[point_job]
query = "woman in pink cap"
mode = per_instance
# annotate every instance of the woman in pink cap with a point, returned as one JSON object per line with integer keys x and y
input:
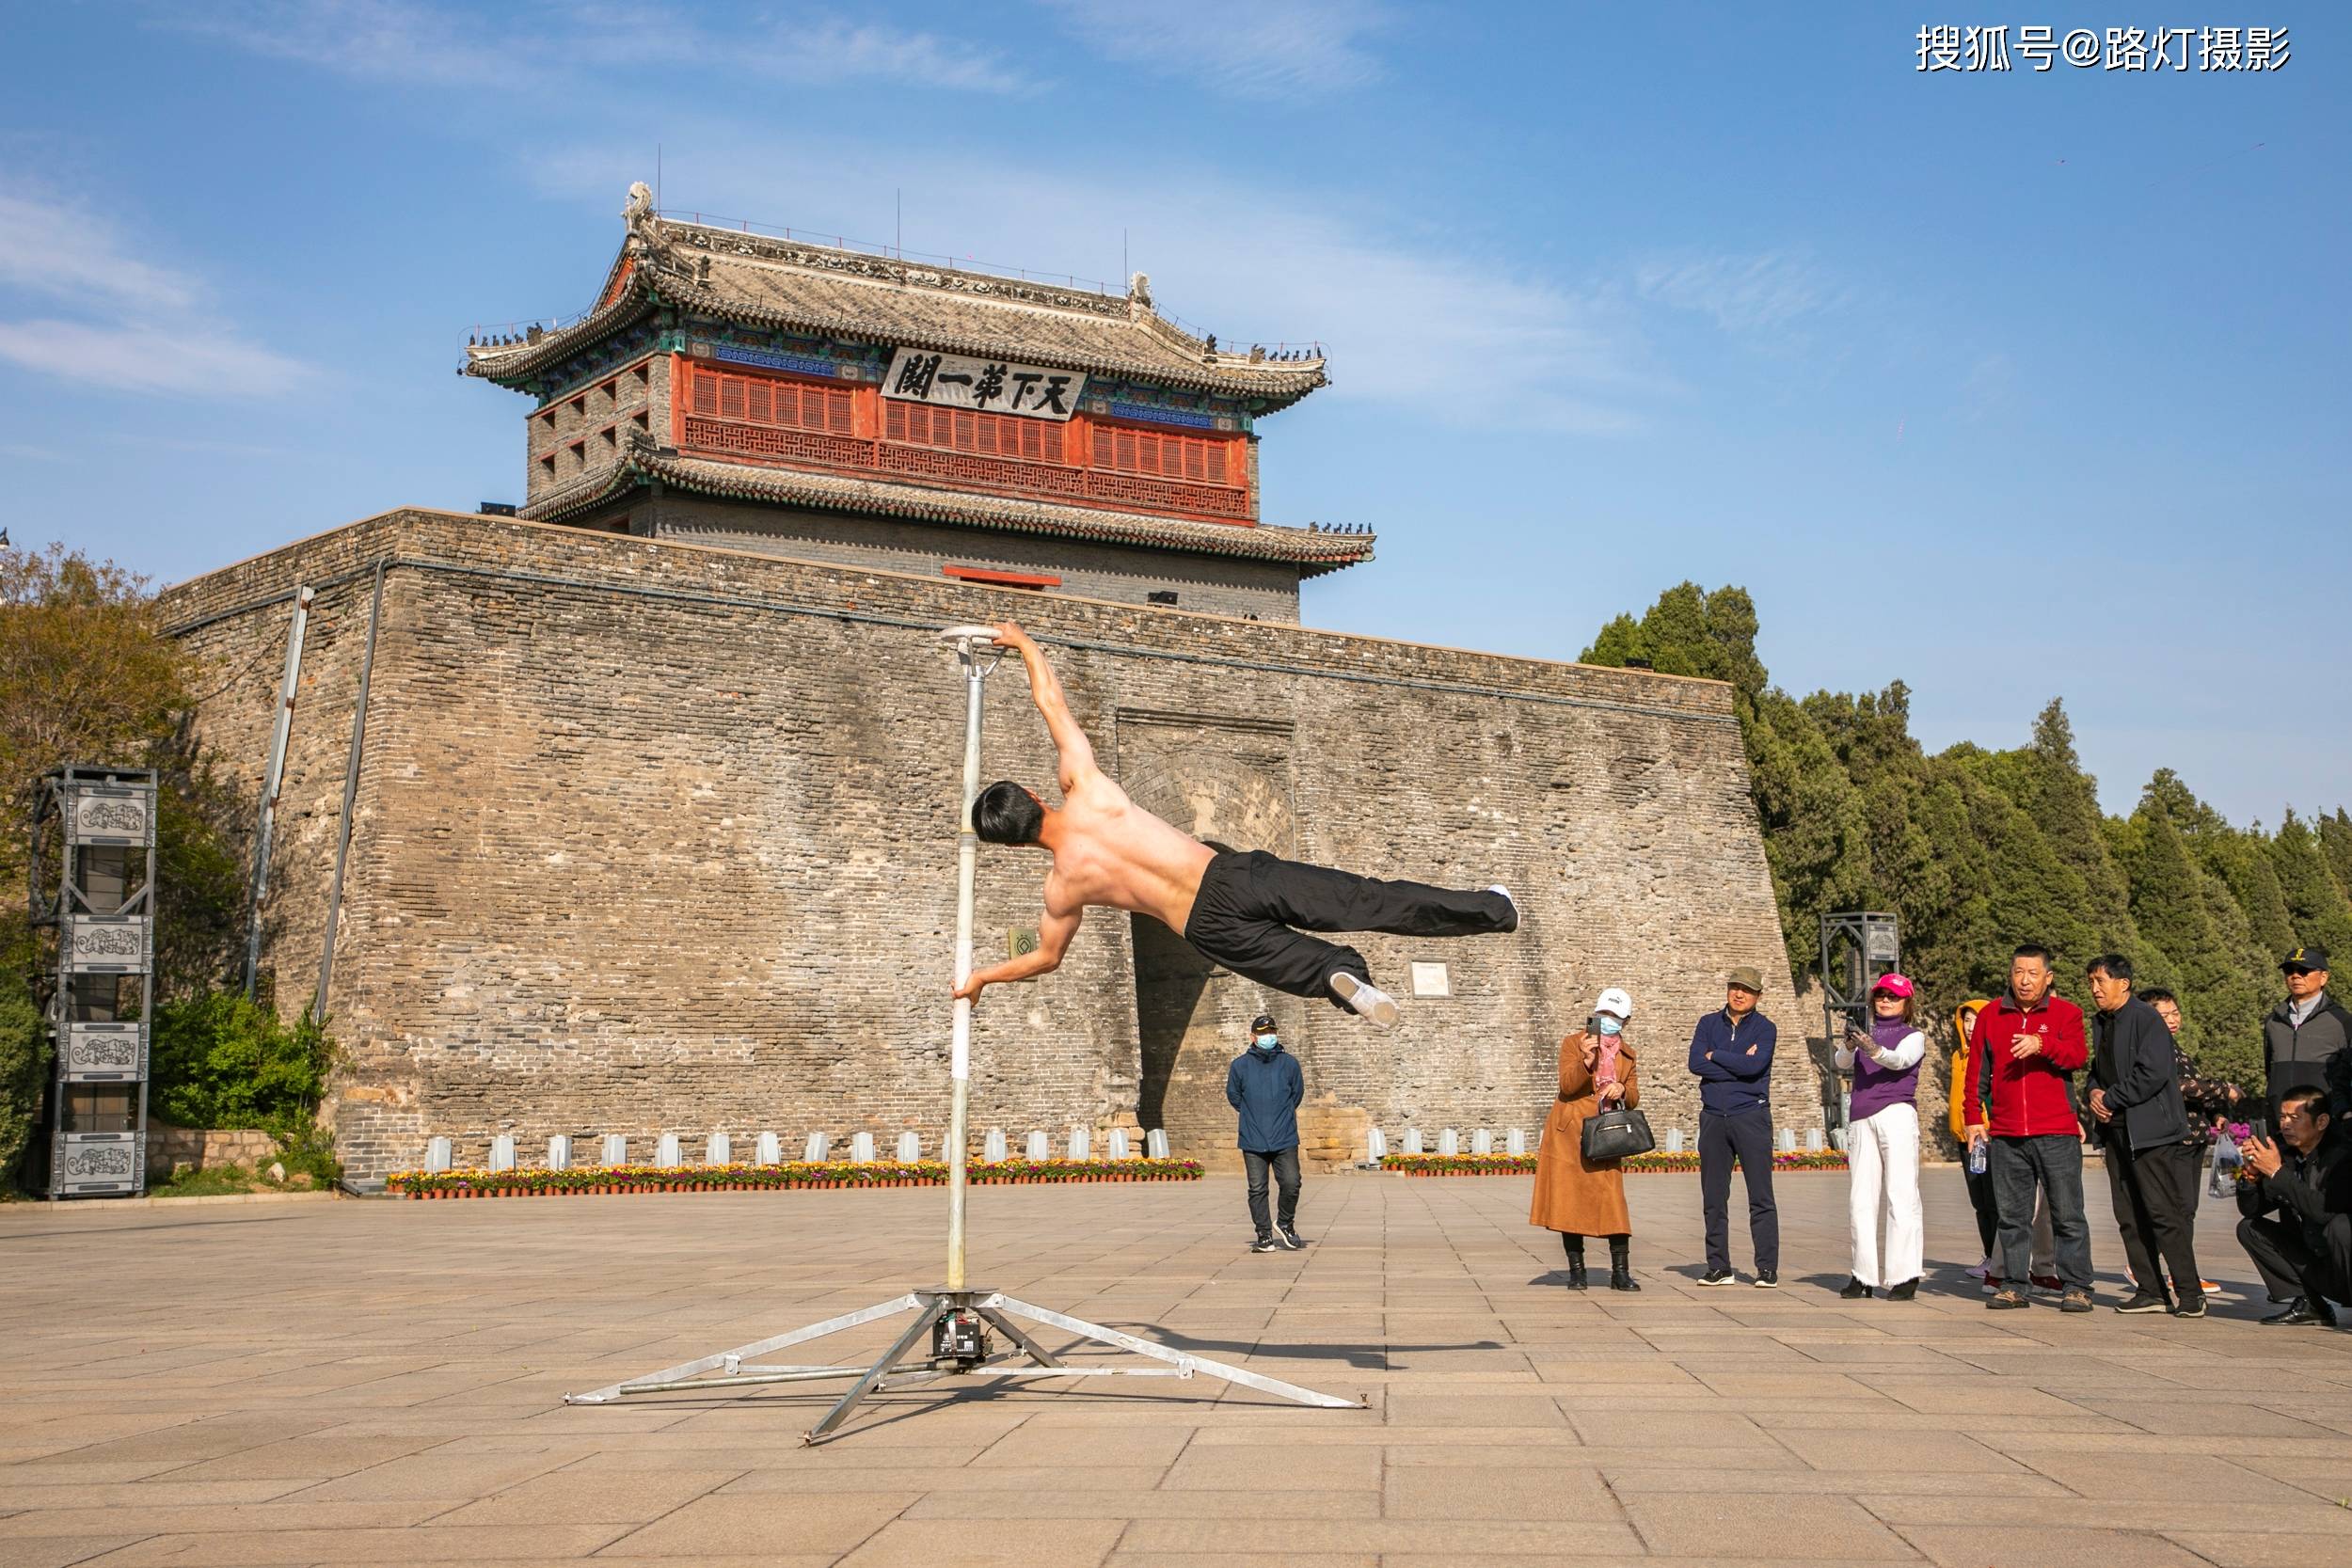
{"x": 1883, "y": 1143}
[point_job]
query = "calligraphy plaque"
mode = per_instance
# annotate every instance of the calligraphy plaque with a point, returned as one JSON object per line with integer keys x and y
{"x": 112, "y": 814}
{"x": 107, "y": 944}
{"x": 104, "y": 1053}
{"x": 990, "y": 386}
{"x": 85, "y": 1164}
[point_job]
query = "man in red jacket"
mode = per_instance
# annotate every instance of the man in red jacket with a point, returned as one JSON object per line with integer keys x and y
{"x": 2034, "y": 1042}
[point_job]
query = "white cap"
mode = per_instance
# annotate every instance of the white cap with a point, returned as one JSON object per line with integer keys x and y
{"x": 1615, "y": 1000}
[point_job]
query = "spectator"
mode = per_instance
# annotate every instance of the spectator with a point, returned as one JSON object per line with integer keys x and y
{"x": 2043, "y": 1264}
{"x": 2305, "y": 1178}
{"x": 2033, "y": 1043}
{"x": 1264, "y": 1086}
{"x": 1576, "y": 1197}
{"x": 2144, "y": 1142}
{"x": 2307, "y": 1039}
{"x": 2207, "y": 1100}
{"x": 1731, "y": 1054}
{"x": 1883, "y": 1143}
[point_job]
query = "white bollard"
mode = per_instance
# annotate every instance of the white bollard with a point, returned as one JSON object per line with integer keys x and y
{"x": 1813, "y": 1140}
{"x": 1082, "y": 1143}
{"x": 1787, "y": 1143}
{"x": 1515, "y": 1144}
{"x": 816, "y": 1147}
{"x": 1449, "y": 1143}
{"x": 615, "y": 1150}
{"x": 992, "y": 1149}
{"x": 436, "y": 1154}
{"x": 1838, "y": 1139}
{"x": 665, "y": 1153}
{"x": 717, "y": 1150}
{"x": 909, "y": 1148}
{"x": 1376, "y": 1145}
{"x": 1155, "y": 1143}
{"x": 862, "y": 1148}
{"x": 1120, "y": 1148}
{"x": 1483, "y": 1141}
{"x": 1412, "y": 1140}
{"x": 1039, "y": 1150}
{"x": 559, "y": 1153}
{"x": 1673, "y": 1140}
{"x": 502, "y": 1151}
{"x": 770, "y": 1149}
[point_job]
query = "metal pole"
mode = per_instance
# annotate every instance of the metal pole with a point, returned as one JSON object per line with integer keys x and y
{"x": 960, "y": 1049}
{"x": 272, "y": 776}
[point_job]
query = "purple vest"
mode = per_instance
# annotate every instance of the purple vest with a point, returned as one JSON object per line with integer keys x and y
{"x": 1876, "y": 1087}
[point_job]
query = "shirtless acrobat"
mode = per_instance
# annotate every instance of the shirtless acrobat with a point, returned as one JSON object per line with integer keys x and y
{"x": 1245, "y": 911}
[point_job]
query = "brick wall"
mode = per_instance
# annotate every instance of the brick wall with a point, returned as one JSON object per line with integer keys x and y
{"x": 1218, "y": 585}
{"x": 655, "y": 837}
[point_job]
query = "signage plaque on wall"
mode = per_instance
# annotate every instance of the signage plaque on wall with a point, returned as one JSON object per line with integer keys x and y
{"x": 990, "y": 386}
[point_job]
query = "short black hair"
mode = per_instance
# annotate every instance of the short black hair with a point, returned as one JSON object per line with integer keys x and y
{"x": 2155, "y": 994}
{"x": 2034, "y": 950}
{"x": 1004, "y": 812}
{"x": 2311, "y": 1094}
{"x": 2117, "y": 966}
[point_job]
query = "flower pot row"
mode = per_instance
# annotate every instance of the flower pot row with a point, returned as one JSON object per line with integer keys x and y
{"x": 1521, "y": 1165}
{"x": 602, "y": 1180}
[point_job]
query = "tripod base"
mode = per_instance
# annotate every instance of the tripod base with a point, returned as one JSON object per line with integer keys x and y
{"x": 957, "y": 1324}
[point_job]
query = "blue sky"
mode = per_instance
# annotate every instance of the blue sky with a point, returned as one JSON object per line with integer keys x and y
{"x": 2006, "y": 386}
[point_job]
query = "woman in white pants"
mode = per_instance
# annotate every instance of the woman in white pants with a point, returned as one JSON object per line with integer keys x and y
{"x": 1883, "y": 1143}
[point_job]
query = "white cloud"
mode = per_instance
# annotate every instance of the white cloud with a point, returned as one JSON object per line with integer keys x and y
{"x": 133, "y": 325}
{"x": 136, "y": 356}
{"x": 1450, "y": 335}
{"x": 1749, "y": 295}
{"x": 546, "y": 46}
{"x": 1247, "y": 48}
{"x": 55, "y": 249}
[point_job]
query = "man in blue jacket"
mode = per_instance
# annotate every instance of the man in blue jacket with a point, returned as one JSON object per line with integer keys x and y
{"x": 1265, "y": 1087}
{"x": 1731, "y": 1056}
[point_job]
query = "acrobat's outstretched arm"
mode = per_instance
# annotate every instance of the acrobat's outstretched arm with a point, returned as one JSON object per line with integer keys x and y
{"x": 1054, "y": 932}
{"x": 1078, "y": 754}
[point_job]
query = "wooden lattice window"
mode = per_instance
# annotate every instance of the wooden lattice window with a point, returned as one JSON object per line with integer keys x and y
{"x": 973, "y": 430}
{"x": 766, "y": 400}
{"x": 1194, "y": 459}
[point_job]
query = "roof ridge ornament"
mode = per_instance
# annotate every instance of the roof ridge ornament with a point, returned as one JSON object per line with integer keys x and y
{"x": 1139, "y": 297}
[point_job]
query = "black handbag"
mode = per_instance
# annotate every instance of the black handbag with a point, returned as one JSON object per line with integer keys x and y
{"x": 1614, "y": 1135}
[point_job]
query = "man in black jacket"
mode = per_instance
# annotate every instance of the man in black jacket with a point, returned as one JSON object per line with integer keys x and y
{"x": 2305, "y": 1255}
{"x": 2307, "y": 1039}
{"x": 2136, "y": 1106}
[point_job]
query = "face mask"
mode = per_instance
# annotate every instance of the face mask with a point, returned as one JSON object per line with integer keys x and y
{"x": 1609, "y": 1025}
{"x": 1268, "y": 1042}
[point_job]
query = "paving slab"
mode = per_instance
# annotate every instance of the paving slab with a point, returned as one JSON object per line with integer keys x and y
{"x": 401, "y": 1404}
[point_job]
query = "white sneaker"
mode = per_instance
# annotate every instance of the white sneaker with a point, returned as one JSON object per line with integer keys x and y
{"x": 1376, "y": 1006}
{"x": 1498, "y": 887}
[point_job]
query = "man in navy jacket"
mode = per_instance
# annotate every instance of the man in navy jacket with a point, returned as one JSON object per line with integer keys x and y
{"x": 1265, "y": 1087}
{"x": 1731, "y": 1056}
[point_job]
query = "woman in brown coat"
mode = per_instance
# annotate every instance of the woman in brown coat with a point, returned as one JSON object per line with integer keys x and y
{"x": 1573, "y": 1195}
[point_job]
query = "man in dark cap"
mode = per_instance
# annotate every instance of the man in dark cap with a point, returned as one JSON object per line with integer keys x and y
{"x": 2305, "y": 1038}
{"x": 1264, "y": 1086}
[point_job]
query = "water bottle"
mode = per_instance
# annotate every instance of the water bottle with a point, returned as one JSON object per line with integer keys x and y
{"x": 1979, "y": 1157}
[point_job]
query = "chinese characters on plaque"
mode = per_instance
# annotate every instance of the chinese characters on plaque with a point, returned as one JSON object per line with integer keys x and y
{"x": 994, "y": 386}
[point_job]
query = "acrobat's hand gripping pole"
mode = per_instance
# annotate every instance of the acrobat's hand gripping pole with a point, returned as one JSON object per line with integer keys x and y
{"x": 976, "y": 650}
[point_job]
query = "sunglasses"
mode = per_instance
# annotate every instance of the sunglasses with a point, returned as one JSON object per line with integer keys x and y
{"x": 2295, "y": 970}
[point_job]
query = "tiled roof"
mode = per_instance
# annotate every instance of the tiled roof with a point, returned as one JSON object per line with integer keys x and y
{"x": 789, "y": 284}
{"x": 1313, "y": 550}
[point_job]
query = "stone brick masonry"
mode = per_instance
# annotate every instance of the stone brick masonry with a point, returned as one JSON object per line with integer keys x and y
{"x": 658, "y": 837}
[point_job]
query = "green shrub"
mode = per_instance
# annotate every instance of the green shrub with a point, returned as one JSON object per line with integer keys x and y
{"x": 222, "y": 1060}
{"x": 24, "y": 1076}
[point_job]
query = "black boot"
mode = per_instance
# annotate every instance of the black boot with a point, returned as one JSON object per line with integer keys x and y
{"x": 1620, "y": 1266}
{"x": 1574, "y": 1245}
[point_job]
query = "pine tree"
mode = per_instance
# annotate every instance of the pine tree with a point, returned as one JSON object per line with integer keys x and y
{"x": 2173, "y": 900}
{"x": 2321, "y": 913}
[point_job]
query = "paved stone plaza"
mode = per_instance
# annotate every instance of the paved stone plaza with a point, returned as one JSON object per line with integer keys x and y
{"x": 338, "y": 1382}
